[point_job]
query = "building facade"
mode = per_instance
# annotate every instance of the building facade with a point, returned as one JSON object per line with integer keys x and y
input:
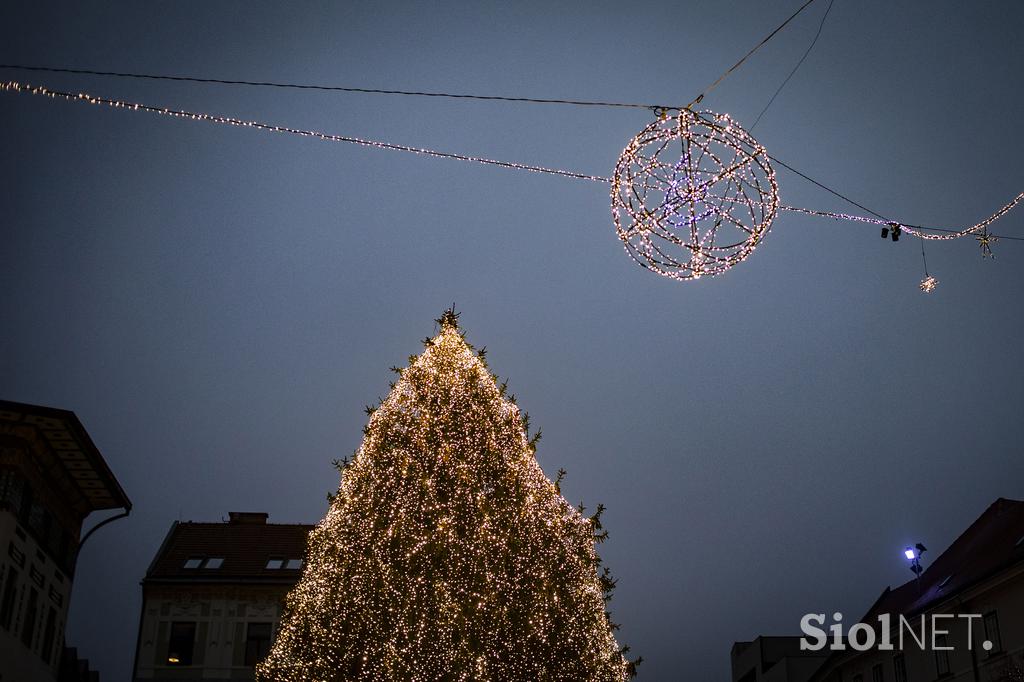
{"x": 971, "y": 594}
{"x": 961, "y": 620}
{"x": 774, "y": 659}
{"x": 212, "y": 597}
{"x": 51, "y": 478}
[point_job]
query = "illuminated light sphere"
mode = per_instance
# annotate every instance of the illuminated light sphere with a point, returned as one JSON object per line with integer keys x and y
{"x": 693, "y": 195}
{"x": 928, "y": 284}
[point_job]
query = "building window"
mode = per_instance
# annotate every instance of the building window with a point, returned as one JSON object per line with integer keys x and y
{"x": 193, "y": 562}
{"x": 39, "y": 522}
{"x": 294, "y": 564}
{"x": 214, "y": 562}
{"x": 28, "y": 629}
{"x": 7, "y": 603}
{"x": 15, "y": 553}
{"x": 899, "y": 668}
{"x": 257, "y": 643}
{"x": 24, "y": 503}
{"x": 182, "y": 644}
{"x": 48, "y": 634}
{"x": 275, "y": 563}
{"x": 992, "y": 633}
{"x": 941, "y": 656}
{"x": 877, "y": 673}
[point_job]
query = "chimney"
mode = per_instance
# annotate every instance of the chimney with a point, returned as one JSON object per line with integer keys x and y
{"x": 250, "y": 518}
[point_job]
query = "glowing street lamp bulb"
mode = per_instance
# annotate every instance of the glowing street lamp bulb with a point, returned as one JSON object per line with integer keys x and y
{"x": 910, "y": 553}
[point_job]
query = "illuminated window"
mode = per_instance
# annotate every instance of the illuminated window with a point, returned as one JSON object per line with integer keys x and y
{"x": 181, "y": 644}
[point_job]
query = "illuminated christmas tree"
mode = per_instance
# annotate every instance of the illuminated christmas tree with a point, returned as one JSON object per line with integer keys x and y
{"x": 446, "y": 553}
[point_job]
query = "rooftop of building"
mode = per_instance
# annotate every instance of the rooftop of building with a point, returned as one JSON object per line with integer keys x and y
{"x": 993, "y": 543}
{"x": 64, "y": 449}
{"x": 244, "y": 548}
{"x": 989, "y": 547}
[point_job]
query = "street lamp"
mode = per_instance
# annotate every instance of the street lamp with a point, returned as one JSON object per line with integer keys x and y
{"x": 913, "y": 555}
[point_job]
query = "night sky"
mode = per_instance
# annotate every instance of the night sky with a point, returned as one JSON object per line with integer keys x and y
{"x": 218, "y": 304}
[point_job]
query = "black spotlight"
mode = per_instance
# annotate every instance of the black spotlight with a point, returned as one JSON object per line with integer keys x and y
{"x": 885, "y": 232}
{"x": 896, "y": 233}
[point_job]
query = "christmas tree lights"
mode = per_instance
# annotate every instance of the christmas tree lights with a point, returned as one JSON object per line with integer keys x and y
{"x": 446, "y": 553}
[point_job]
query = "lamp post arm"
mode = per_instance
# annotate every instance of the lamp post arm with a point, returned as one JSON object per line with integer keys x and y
{"x": 102, "y": 523}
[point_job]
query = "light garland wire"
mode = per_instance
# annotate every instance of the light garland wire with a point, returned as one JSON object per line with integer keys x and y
{"x": 14, "y": 86}
{"x": 795, "y": 68}
{"x": 698, "y": 98}
{"x": 334, "y": 88}
{"x": 917, "y": 230}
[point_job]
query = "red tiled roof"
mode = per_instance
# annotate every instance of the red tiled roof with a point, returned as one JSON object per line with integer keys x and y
{"x": 245, "y": 547}
{"x": 991, "y": 544}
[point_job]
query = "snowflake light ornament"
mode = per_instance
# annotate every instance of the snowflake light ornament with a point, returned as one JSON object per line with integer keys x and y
{"x": 985, "y": 241}
{"x": 693, "y": 194}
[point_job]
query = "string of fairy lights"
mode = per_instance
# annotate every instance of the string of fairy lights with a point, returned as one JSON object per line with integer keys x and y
{"x": 661, "y": 198}
{"x": 13, "y": 86}
{"x": 986, "y": 239}
{"x": 685, "y": 218}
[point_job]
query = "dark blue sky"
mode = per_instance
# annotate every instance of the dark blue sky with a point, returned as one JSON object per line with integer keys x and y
{"x": 217, "y": 305}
